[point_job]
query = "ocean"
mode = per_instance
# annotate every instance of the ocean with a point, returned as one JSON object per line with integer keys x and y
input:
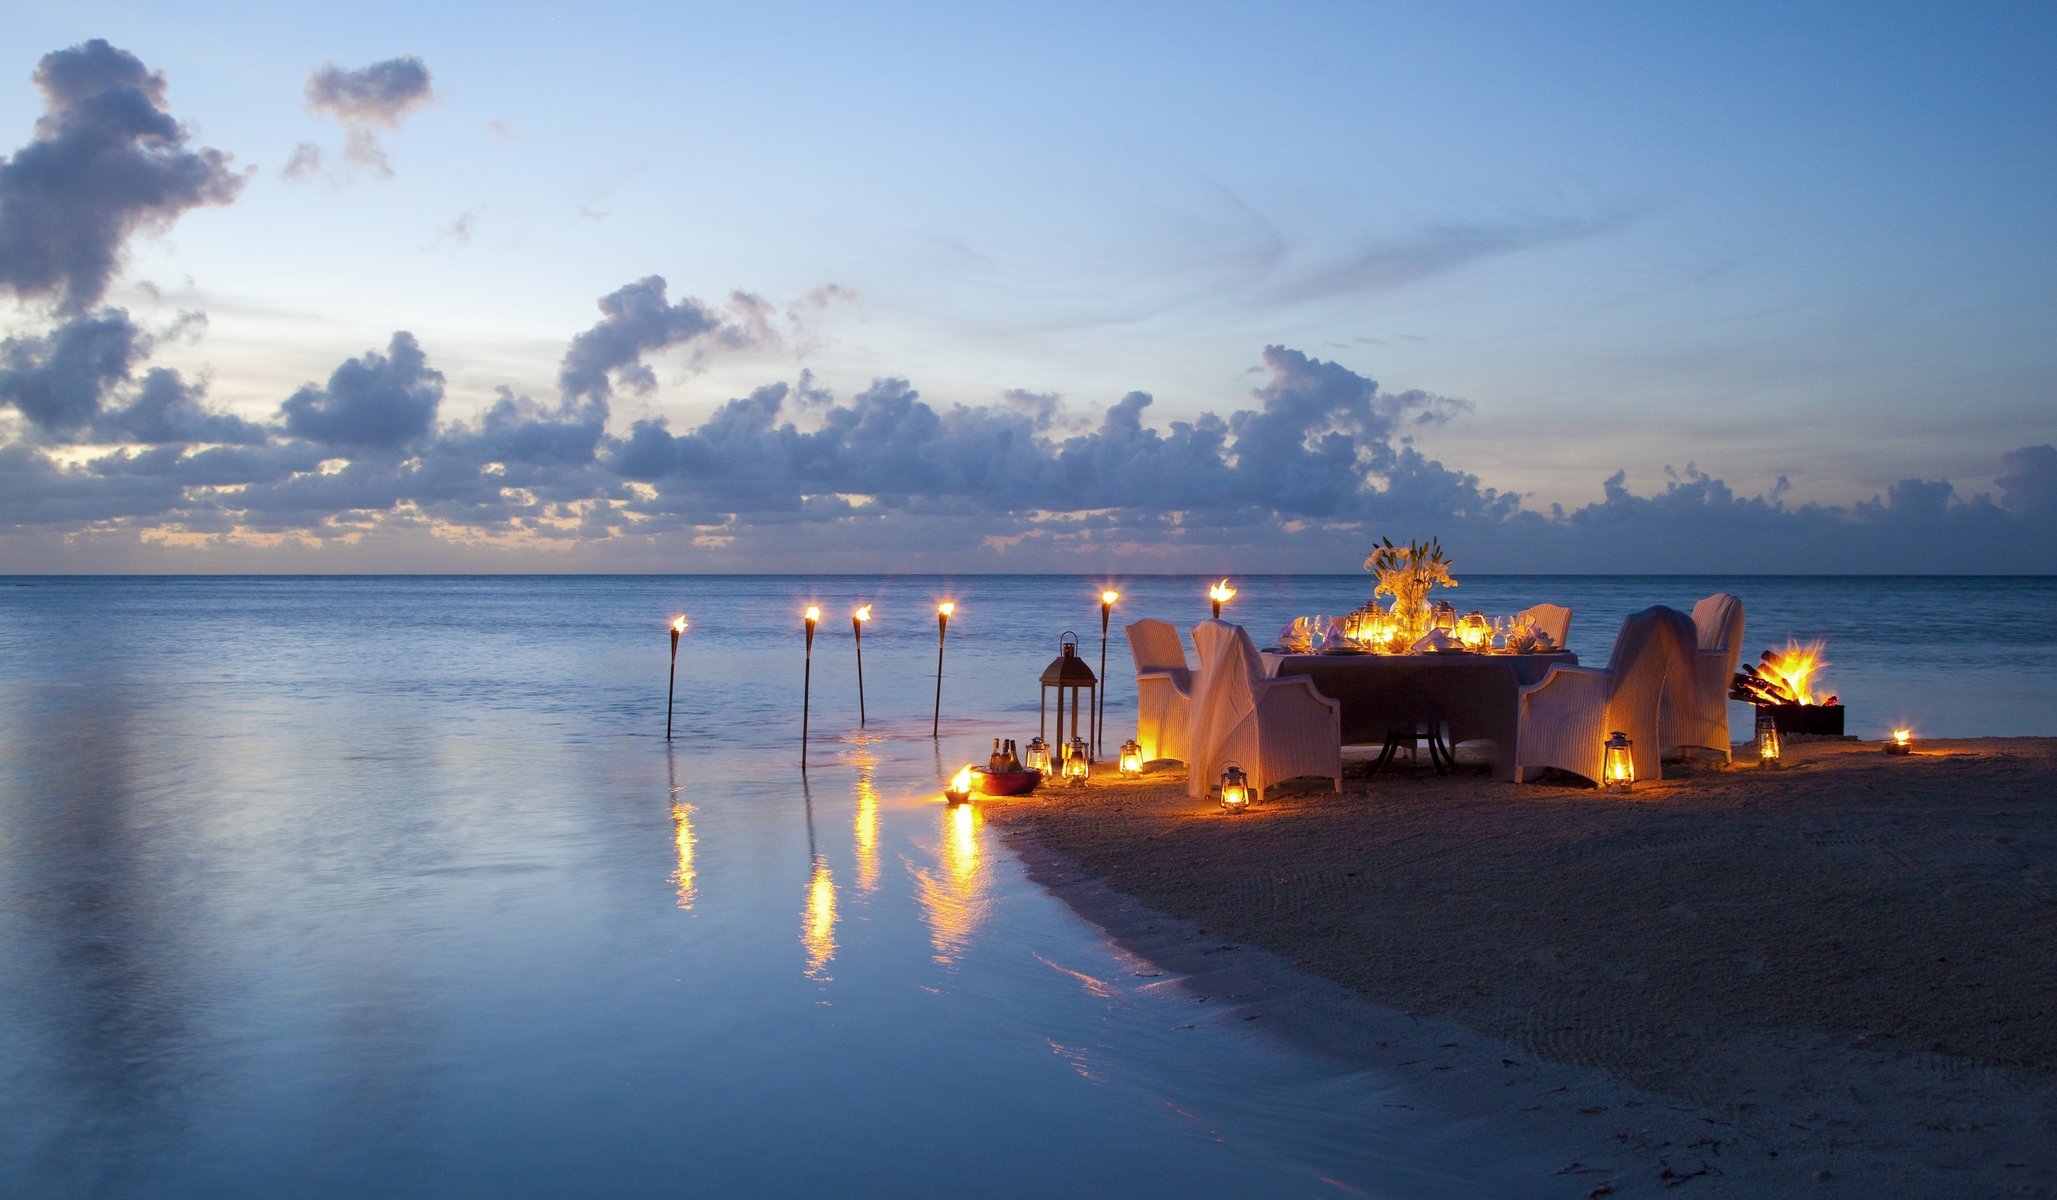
{"x": 393, "y": 886}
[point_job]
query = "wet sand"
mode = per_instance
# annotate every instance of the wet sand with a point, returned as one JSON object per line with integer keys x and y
{"x": 1834, "y": 979}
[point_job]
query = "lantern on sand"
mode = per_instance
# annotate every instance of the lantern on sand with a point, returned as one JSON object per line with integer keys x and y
{"x": 1078, "y": 763}
{"x": 1038, "y": 756}
{"x": 1131, "y": 762}
{"x": 1768, "y": 747}
{"x": 1617, "y": 764}
{"x": 1235, "y": 788}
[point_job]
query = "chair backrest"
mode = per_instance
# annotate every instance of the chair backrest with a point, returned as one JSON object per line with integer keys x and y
{"x": 1553, "y": 619}
{"x": 1718, "y": 622}
{"x": 1155, "y": 646}
{"x": 1656, "y": 634}
{"x": 1224, "y": 696}
{"x": 1649, "y": 652}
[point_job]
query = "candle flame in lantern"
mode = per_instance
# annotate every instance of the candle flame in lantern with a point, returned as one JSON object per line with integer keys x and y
{"x": 863, "y": 614}
{"x": 813, "y": 614}
{"x": 946, "y": 608}
{"x": 1795, "y": 667}
{"x": 678, "y": 624}
{"x": 1221, "y": 592}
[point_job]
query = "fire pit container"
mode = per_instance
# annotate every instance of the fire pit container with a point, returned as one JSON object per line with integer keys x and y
{"x": 1817, "y": 720}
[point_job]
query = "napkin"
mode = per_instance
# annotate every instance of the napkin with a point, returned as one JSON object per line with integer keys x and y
{"x": 1334, "y": 638}
{"x": 1436, "y": 640}
{"x": 1297, "y": 636}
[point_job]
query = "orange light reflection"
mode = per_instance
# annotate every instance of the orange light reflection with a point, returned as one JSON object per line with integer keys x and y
{"x": 866, "y": 826}
{"x": 954, "y": 897}
{"x": 682, "y": 836}
{"x": 818, "y": 925}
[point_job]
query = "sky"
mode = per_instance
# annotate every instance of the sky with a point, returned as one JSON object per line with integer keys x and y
{"x": 1095, "y": 288}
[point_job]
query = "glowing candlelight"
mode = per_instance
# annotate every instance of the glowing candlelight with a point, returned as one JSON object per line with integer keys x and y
{"x": 959, "y": 787}
{"x": 1618, "y": 764}
{"x": 1235, "y": 788}
{"x": 1902, "y": 743}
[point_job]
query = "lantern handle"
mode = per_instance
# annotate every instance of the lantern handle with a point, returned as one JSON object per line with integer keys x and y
{"x": 1068, "y": 634}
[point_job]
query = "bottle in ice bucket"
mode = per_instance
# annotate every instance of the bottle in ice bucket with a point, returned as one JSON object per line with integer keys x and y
{"x": 1013, "y": 763}
{"x": 996, "y": 762}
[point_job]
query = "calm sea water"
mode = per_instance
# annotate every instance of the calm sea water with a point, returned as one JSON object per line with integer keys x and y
{"x": 392, "y": 886}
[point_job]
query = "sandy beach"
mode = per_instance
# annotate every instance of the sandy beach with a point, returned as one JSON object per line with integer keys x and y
{"x": 1833, "y": 979}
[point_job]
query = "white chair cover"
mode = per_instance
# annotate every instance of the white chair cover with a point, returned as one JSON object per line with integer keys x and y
{"x": 1694, "y": 712}
{"x": 1553, "y": 619}
{"x": 1566, "y": 719}
{"x": 1164, "y": 690}
{"x": 1276, "y": 729}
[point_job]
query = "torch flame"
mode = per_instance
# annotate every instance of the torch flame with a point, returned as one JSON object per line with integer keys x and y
{"x": 946, "y": 608}
{"x": 678, "y": 624}
{"x": 863, "y": 614}
{"x": 960, "y": 783}
{"x": 813, "y": 614}
{"x": 1221, "y": 592}
{"x": 1903, "y": 736}
{"x": 1794, "y": 667}
{"x": 1109, "y": 597}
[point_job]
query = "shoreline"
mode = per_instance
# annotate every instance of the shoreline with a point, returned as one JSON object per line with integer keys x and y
{"x": 1731, "y": 980}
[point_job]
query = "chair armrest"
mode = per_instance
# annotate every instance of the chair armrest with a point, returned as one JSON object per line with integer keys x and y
{"x": 1592, "y": 682}
{"x": 1285, "y": 685}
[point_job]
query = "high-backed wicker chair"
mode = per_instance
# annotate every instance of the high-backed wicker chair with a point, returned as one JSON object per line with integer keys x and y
{"x": 1553, "y": 619}
{"x": 1164, "y": 690}
{"x": 1276, "y": 729}
{"x": 1693, "y": 714}
{"x": 1566, "y": 718}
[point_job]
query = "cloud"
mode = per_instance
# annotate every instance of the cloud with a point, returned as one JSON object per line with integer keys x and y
{"x": 107, "y": 161}
{"x": 1323, "y": 443}
{"x": 1385, "y": 264}
{"x": 374, "y": 402}
{"x": 364, "y": 101}
{"x": 793, "y": 476}
{"x": 168, "y": 409}
{"x": 637, "y": 320}
{"x": 2028, "y": 482}
{"x": 59, "y": 380}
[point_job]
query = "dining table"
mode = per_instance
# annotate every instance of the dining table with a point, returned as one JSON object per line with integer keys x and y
{"x": 1475, "y": 696}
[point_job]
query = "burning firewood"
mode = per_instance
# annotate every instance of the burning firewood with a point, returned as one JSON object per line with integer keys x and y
{"x": 1781, "y": 676}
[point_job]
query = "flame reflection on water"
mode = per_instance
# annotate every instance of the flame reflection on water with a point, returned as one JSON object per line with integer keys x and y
{"x": 954, "y": 897}
{"x": 682, "y": 837}
{"x": 865, "y": 824}
{"x": 818, "y": 926}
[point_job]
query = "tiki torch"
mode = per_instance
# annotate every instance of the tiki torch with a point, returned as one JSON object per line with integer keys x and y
{"x": 1220, "y": 593}
{"x": 857, "y": 620}
{"x": 807, "y": 682}
{"x": 1107, "y": 599}
{"x": 678, "y": 626}
{"x": 943, "y": 612}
